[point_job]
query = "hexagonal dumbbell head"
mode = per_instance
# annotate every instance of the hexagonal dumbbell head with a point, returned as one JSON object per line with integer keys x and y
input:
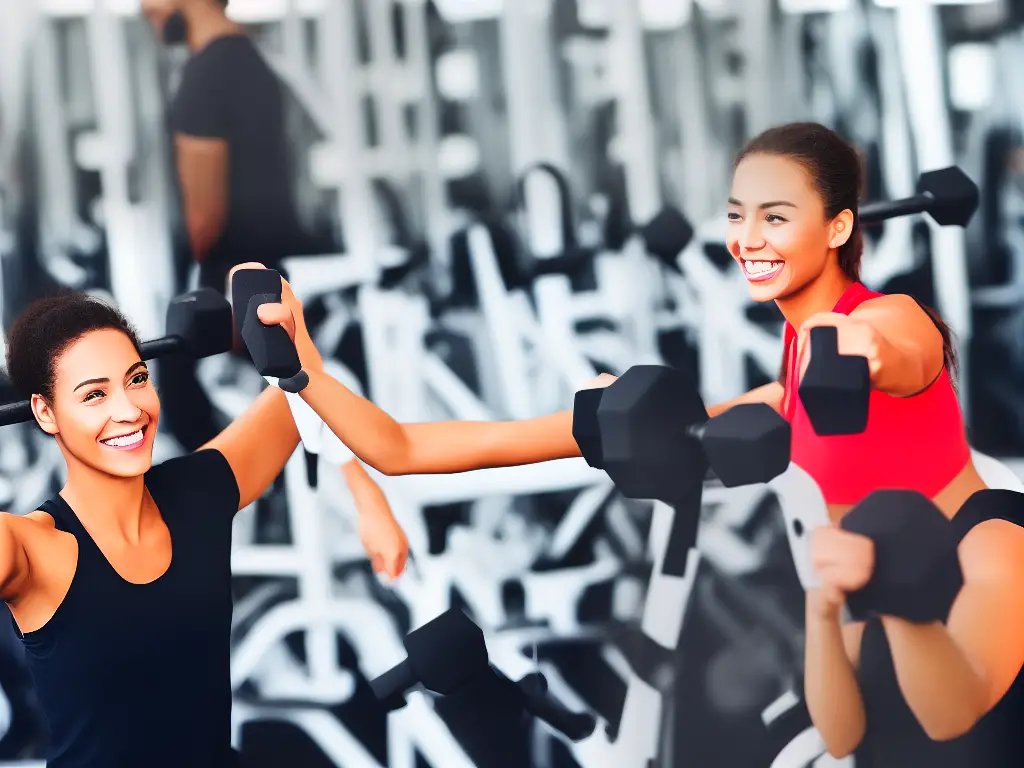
{"x": 917, "y": 571}
{"x": 644, "y": 420}
{"x": 447, "y": 652}
{"x": 666, "y": 235}
{"x": 747, "y": 444}
{"x": 836, "y": 389}
{"x": 201, "y": 319}
{"x": 955, "y": 196}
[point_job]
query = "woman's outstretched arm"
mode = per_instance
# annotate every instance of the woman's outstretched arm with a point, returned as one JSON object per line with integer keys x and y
{"x": 443, "y": 447}
{"x": 435, "y": 447}
{"x": 902, "y": 343}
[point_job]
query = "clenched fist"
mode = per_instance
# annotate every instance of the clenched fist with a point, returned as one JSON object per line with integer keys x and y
{"x": 843, "y": 562}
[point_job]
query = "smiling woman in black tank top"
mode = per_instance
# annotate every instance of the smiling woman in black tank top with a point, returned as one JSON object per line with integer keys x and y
{"x": 120, "y": 585}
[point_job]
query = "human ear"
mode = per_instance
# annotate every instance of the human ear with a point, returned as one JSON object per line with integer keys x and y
{"x": 44, "y": 415}
{"x": 840, "y": 229}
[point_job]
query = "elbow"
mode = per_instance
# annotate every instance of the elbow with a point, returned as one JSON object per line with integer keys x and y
{"x": 839, "y": 752}
{"x": 401, "y": 457}
{"x": 947, "y": 731}
{"x": 949, "y": 728}
{"x": 394, "y": 464}
{"x": 844, "y": 744}
{"x": 951, "y": 721}
{"x": 841, "y": 731}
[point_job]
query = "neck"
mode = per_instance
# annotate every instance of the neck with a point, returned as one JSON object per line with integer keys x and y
{"x": 104, "y": 502}
{"x": 205, "y": 24}
{"x": 819, "y": 295}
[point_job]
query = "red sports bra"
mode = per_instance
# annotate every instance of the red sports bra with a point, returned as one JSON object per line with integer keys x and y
{"x": 914, "y": 443}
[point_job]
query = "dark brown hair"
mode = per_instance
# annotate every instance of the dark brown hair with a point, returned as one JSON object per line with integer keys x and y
{"x": 46, "y": 328}
{"x": 836, "y": 172}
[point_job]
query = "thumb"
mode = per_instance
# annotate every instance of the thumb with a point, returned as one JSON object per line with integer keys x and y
{"x": 273, "y": 314}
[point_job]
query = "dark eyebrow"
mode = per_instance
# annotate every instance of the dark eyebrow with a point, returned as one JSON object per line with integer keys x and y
{"x": 763, "y": 206}
{"x": 131, "y": 369}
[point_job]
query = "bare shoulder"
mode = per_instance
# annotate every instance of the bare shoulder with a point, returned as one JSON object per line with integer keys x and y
{"x": 24, "y": 538}
{"x": 894, "y": 306}
{"x": 32, "y": 524}
{"x": 993, "y": 550}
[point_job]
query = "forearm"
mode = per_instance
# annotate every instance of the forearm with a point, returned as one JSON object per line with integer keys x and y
{"x": 830, "y": 686}
{"x": 437, "y": 447}
{"x": 367, "y": 495}
{"x": 940, "y": 685}
{"x": 366, "y": 430}
{"x": 459, "y": 446}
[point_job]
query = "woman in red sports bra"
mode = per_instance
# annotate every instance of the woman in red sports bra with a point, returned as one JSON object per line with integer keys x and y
{"x": 897, "y": 693}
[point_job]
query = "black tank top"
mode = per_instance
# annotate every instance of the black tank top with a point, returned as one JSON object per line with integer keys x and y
{"x": 894, "y": 738}
{"x": 137, "y": 675}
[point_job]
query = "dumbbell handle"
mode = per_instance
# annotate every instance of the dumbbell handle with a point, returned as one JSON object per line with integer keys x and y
{"x": 890, "y": 209}
{"x": 395, "y": 682}
{"x": 574, "y": 725}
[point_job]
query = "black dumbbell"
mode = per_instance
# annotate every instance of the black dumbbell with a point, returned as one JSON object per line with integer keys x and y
{"x": 917, "y": 573}
{"x": 836, "y": 389}
{"x": 948, "y": 195}
{"x": 272, "y": 352}
{"x": 443, "y": 654}
{"x": 198, "y": 325}
{"x": 649, "y": 430}
{"x": 484, "y": 709}
{"x": 666, "y": 235}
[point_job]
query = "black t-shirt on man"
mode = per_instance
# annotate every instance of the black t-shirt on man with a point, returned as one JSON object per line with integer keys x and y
{"x": 229, "y": 92}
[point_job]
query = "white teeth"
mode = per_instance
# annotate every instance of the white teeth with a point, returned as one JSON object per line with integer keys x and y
{"x": 125, "y": 440}
{"x": 760, "y": 267}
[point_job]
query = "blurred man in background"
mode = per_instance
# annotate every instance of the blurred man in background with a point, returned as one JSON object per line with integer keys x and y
{"x": 230, "y": 145}
{"x": 232, "y": 159}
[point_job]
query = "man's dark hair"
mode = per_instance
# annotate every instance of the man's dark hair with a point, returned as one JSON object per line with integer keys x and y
{"x": 46, "y": 328}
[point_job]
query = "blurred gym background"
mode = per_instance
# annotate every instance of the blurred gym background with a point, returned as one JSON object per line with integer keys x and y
{"x": 434, "y": 287}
